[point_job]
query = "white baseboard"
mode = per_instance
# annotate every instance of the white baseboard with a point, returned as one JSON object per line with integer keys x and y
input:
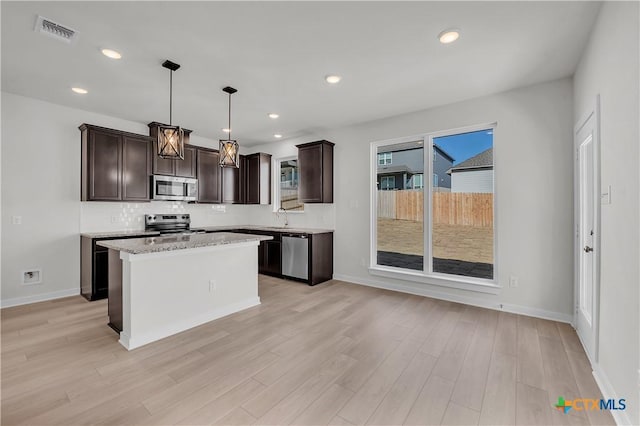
{"x": 619, "y": 416}
{"x": 467, "y": 300}
{"x": 132, "y": 342}
{"x": 43, "y": 297}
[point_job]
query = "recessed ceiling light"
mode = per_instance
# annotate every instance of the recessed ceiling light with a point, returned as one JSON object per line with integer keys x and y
{"x": 226, "y": 130}
{"x": 333, "y": 79}
{"x": 277, "y": 136}
{"x": 449, "y": 36}
{"x": 110, "y": 53}
{"x": 80, "y": 90}
{"x": 273, "y": 115}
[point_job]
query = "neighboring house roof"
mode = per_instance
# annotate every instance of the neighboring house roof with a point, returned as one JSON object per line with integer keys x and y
{"x": 484, "y": 160}
{"x": 407, "y": 146}
{"x": 400, "y": 147}
{"x": 443, "y": 152}
{"x": 388, "y": 170}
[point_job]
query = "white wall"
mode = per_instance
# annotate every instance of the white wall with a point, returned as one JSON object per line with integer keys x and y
{"x": 609, "y": 67}
{"x": 41, "y": 183}
{"x": 479, "y": 181}
{"x": 534, "y": 181}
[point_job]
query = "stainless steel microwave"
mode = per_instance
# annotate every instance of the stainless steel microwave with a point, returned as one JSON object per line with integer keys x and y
{"x": 174, "y": 188}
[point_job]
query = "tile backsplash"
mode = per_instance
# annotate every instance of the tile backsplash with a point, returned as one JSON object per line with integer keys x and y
{"x": 113, "y": 216}
{"x": 107, "y": 216}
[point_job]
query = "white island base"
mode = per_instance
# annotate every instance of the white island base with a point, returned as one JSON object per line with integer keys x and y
{"x": 164, "y": 293}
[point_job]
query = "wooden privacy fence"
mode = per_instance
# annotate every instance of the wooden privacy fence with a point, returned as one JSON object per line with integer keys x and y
{"x": 449, "y": 208}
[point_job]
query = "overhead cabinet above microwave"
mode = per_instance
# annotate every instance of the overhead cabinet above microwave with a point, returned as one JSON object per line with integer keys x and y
{"x": 116, "y": 165}
{"x": 169, "y": 167}
{"x": 122, "y": 166}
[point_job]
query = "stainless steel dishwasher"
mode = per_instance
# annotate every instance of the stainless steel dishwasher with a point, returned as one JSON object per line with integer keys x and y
{"x": 295, "y": 256}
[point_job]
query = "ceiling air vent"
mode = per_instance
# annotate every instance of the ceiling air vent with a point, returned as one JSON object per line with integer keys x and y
{"x": 52, "y": 29}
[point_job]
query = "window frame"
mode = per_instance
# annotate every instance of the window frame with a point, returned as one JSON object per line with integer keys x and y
{"x": 383, "y": 156}
{"x": 275, "y": 178}
{"x": 427, "y": 276}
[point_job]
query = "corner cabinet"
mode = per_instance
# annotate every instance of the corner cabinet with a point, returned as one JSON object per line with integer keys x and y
{"x": 315, "y": 165}
{"x": 169, "y": 167}
{"x": 116, "y": 165}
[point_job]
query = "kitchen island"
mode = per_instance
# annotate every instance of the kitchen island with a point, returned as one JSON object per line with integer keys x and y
{"x": 162, "y": 285}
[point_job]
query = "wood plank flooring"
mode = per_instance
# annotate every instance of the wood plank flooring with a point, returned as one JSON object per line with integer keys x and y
{"x": 337, "y": 353}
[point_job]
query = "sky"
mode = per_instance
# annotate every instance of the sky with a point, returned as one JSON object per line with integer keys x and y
{"x": 465, "y": 145}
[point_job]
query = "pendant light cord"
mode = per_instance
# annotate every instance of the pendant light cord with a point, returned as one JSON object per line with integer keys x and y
{"x": 170, "y": 97}
{"x": 229, "y": 116}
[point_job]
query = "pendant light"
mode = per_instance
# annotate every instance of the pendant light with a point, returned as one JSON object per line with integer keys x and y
{"x": 229, "y": 149}
{"x": 170, "y": 138}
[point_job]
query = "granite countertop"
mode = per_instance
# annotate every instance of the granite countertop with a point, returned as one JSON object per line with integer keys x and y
{"x": 264, "y": 228}
{"x": 179, "y": 242}
{"x": 123, "y": 233}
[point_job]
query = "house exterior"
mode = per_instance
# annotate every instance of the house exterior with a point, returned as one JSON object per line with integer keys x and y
{"x": 473, "y": 175}
{"x": 402, "y": 167}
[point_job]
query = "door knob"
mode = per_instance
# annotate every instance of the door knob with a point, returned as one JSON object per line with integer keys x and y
{"x": 587, "y": 249}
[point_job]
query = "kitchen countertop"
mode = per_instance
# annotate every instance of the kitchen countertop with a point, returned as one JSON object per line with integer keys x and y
{"x": 142, "y": 232}
{"x": 264, "y": 228}
{"x": 123, "y": 233}
{"x": 179, "y": 242}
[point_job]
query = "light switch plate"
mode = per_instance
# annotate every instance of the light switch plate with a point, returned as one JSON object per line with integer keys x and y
{"x": 605, "y": 197}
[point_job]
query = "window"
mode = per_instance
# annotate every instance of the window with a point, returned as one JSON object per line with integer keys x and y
{"x": 387, "y": 182}
{"x": 384, "y": 158}
{"x": 418, "y": 181}
{"x": 286, "y": 191}
{"x": 443, "y": 233}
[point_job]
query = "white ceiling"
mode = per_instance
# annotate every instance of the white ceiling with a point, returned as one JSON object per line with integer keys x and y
{"x": 277, "y": 53}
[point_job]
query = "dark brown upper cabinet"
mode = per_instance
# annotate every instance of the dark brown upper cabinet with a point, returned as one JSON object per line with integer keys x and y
{"x": 170, "y": 167}
{"x": 258, "y": 178}
{"x": 232, "y": 185}
{"x": 209, "y": 176}
{"x": 315, "y": 165}
{"x": 116, "y": 165}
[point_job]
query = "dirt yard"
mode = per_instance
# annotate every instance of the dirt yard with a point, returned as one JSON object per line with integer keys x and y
{"x": 468, "y": 243}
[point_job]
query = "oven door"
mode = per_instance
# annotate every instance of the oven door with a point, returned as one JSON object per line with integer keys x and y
{"x": 174, "y": 188}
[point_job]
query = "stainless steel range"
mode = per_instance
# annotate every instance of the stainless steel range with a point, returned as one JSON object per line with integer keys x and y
{"x": 170, "y": 224}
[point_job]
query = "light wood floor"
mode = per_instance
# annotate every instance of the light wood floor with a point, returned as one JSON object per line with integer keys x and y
{"x": 332, "y": 354}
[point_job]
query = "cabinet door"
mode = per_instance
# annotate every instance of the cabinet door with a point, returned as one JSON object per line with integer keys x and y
{"x": 162, "y": 166}
{"x": 253, "y": 180}
{"x": 231, "y": 184}
{"x": 101, "y": 273}
{"x": 208, "y": 171}
{"x": 310, "y": 168}
{"x": 262, "y": 257}
{"x": 273, "y": 254}
{"x": 187, "y": 167}
{"x": 105, "y": 165}
{"x": 136, "y": 169}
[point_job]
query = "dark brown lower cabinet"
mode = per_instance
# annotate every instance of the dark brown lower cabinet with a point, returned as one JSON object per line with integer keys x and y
{"x": 320, "y": 257}
{"x": 115, "y": 290}
{"x": 270, "y": 263}
{"x": 94, "y": 267}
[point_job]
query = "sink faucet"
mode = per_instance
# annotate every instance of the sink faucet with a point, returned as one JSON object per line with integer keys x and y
{"x": 286, "y": 219}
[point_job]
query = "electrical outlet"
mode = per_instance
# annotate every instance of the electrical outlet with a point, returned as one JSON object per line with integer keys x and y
{"x": 213, "y": 286}
{"x": 16, "y": 220}
{"x": 33, "y": 276}
{"x": 513, "y": 281}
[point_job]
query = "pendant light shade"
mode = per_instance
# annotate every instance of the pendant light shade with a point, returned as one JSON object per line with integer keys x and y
{"x": 229, "y": 148}
{"x": 170, "y": 138}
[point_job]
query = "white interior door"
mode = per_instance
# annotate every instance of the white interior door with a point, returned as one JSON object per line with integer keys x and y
{"x": 587, "y": 205}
